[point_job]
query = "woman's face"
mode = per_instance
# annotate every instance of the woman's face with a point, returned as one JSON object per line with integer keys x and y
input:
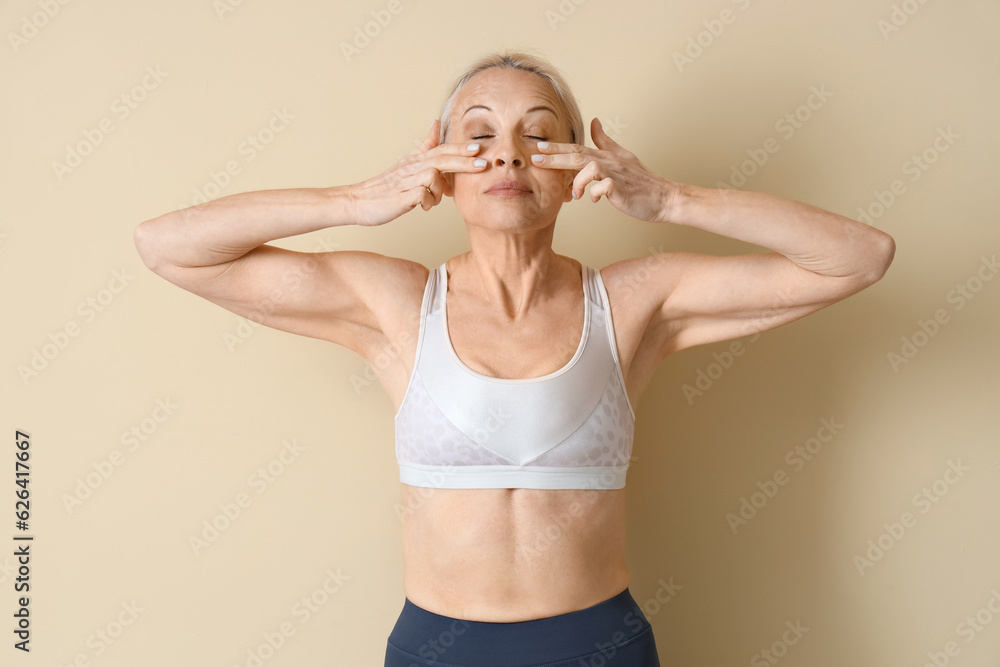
{"x": 508, "y": 112}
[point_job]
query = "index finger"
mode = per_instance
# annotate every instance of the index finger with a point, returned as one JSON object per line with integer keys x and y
{"x": 456, "y": 157}
{"x": 428, "y": 149}
{"x": 555, "y": 155}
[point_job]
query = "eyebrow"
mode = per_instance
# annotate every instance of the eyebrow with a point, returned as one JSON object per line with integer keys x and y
{"x": 538, "y": 108}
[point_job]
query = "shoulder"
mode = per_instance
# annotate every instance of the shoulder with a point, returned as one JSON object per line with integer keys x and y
{"x": 637, "y": 288}
{"x": 385, "y": 281}
{"x": 638, "y": 283}
{"x": 392, "y": 289}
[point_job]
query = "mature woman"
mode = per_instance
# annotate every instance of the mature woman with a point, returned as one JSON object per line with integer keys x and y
{"x": 515, "y": 369}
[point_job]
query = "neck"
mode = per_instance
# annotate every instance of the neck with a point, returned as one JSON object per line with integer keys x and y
{"x": 512, "y": 272}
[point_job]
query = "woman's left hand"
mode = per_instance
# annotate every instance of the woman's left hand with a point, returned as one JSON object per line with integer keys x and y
{"x": 626, "y": 182}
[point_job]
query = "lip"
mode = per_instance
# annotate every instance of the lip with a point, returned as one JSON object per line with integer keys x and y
{"x": 509, "y": 188}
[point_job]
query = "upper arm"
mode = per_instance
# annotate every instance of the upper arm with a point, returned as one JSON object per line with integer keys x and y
{"x": 340, "y": 296}
{"x": 704, "y": 299}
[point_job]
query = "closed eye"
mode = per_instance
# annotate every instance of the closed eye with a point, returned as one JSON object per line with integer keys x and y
{"x": 487, "y": 136}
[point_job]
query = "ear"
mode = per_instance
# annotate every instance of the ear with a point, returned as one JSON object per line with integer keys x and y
{"x": 449, "y": 184}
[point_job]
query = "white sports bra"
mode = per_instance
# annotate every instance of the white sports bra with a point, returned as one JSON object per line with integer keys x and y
{"x": 459, "y": 429}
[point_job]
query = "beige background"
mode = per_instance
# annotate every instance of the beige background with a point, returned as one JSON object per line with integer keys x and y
{"x": 331, "y": 508}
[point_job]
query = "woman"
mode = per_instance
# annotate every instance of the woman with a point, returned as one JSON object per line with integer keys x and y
{"x": 515, "y": 370}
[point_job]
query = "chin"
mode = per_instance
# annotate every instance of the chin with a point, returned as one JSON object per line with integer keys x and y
{"x": 528, "y": 211}
{"x": 506, "y": 214}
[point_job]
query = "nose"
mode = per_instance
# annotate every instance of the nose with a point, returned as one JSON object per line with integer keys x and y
{"x": 508, "y": 151}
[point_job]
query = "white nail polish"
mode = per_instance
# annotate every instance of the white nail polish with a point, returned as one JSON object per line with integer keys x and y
{"x": 479, "y": 162}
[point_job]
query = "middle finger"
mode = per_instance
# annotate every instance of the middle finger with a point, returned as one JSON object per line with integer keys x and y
{"x": 462, "y": 160}
{"x": 554, "y": 155}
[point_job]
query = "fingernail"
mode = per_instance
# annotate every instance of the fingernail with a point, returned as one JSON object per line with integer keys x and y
{"x": 543, "y": 144}
{"x": 537, "y": 158}
{"x": 472, "y": 147}
{"x": 480, "y": 162}
{"x": 575, "y": 196}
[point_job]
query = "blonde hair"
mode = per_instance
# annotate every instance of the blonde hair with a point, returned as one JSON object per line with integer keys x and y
{"x": 526, "y": 62}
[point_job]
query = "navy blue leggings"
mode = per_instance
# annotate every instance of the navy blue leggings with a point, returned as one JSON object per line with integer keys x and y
{"x": 613, "y": 633}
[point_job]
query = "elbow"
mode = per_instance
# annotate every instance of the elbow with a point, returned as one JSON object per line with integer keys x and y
{"x": 882, "y": 253}
{"x": 144, "y": 238}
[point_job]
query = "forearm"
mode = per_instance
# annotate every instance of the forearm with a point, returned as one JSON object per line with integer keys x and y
{"x": 817, "y": 240}
{"x": 229, "y": 227}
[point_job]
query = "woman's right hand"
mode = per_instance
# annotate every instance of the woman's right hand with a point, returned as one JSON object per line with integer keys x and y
{"x": 415, "y": 180}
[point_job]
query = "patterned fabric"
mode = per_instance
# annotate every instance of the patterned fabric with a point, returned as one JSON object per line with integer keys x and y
{"x": 572, "y": 428}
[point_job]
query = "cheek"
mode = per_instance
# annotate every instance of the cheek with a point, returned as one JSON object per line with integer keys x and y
{"x": 554, "y": 181}
{"x": 466, "y": 183}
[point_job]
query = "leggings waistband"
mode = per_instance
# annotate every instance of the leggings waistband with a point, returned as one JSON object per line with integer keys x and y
{"x": 602, "y": 629}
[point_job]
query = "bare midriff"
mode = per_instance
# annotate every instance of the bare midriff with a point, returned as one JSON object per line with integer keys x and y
{"x": 505, "y": 555}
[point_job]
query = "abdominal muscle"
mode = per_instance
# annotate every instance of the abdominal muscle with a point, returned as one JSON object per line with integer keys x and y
{"x": 505, "y": 555}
